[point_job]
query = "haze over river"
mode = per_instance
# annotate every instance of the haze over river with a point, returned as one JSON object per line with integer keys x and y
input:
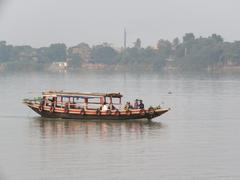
{"x": 198, "y": 139}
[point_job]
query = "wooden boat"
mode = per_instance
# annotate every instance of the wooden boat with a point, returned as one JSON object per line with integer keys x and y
{"x": 83, "y": 106}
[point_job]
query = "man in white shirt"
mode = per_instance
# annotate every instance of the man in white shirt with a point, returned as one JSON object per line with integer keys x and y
{"x": 105, "y": 107}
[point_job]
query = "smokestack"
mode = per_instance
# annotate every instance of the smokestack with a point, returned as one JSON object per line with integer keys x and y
{"x": 125, "y": 39}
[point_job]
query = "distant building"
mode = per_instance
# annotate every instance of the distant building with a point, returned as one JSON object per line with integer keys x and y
{"x": 59, "y": 66}
{"x": 83, "y": 50}
{"x": 93, "y": 66}
{"x": 170, "y": 63}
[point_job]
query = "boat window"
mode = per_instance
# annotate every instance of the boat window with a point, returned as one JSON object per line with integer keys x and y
{"x": 94, "y": 102}
{"x": 62, "y": 100}
{"x": 108, "y": 100}
{"x": 116, "y": 101}
{"x": 59, "y": 101}
{"x": 78, "y": 102}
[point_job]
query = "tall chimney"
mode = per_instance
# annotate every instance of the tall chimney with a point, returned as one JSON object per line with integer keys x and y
{"x": 125, "y": 39}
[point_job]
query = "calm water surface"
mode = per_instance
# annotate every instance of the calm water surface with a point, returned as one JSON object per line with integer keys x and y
{"x": 197, "y": 139}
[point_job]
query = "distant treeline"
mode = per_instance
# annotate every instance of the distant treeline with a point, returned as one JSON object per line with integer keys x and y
{"x": 188, "y": 53}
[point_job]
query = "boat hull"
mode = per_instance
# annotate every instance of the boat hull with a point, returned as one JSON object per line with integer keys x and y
{"x": 121, "y": 116}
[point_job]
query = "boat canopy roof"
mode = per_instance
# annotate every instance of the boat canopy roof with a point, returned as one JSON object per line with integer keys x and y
{"x": 79, "y": 94}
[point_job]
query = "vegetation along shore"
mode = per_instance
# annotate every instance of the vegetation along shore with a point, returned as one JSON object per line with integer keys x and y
{"x": 187, "y": 53}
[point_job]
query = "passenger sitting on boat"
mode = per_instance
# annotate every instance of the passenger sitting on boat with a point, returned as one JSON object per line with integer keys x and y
{"x": 136, "y": 105}
{"x": 141, "y": 105}
{"x": 42, "y": 101}
{"x": 111, "y": 106}
{"x": 67, "y": 104}
{"x": 128, "y": 106}
{"x": 101, "y": 106}
{"x": 105, "y": 107}
{"x": 73, "y": 105}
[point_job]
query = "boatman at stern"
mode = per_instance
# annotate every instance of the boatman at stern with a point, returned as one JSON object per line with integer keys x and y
{"x": 141, "y": 105}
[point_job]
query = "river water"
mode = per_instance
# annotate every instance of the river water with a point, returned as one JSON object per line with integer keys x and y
{"x": 197, "y": 139}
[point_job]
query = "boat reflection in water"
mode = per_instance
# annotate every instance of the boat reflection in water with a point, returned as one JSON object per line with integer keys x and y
{"x": 59, "y": 128}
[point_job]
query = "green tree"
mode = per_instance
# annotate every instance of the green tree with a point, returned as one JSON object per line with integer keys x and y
{"x": 175, "y": 42}
{"x": 105, "y": 54}
{"x": 53, "y": 53}
{"x": 57, "y": 52}
{"x": 164, "y": 48}
{"x": 188, "y": 37}
{"x": 5, "y": 51}
{"x": 137, "y": 44}
{"x": 75, "y": 61}
{"x": 217, "y": 38}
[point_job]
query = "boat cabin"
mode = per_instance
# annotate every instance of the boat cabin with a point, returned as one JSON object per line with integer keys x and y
{"x": 86, "y": 101}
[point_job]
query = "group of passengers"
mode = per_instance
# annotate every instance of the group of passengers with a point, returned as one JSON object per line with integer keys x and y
{"x": 106, "y": 107}
{"x": 138, "y": 104}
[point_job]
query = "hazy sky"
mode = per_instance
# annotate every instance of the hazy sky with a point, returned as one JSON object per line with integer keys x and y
{"x": 41, "y": 22}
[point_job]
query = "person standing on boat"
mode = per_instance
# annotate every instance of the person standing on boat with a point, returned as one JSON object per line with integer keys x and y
{"x": 141, "y": 105}
{"x": 136, "y": 105}
{"x": 85, "y": 104}
{"x": 43, "y": 101}
{"x": 54, "y": 102}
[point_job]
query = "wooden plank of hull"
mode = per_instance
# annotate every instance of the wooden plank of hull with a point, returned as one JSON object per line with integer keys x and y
{"x": 92, "y": 116}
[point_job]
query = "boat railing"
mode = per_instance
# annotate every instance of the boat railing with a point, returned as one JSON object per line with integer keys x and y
{"x": 80, "y": 105}
{"x": 32, "y": 101}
